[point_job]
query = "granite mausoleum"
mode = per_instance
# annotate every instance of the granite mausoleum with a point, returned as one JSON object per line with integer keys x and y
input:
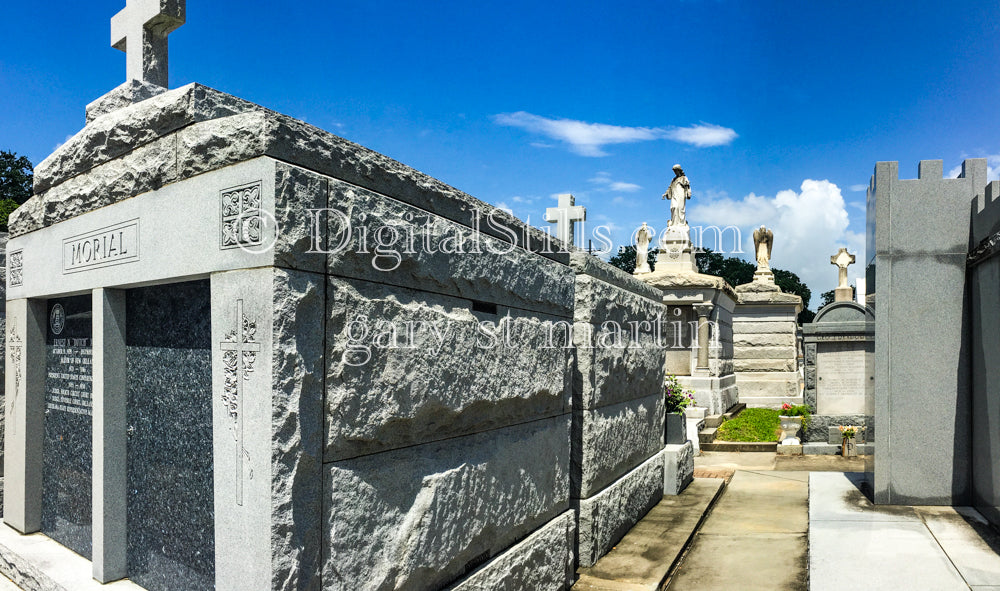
{"x": 224, "y": 371}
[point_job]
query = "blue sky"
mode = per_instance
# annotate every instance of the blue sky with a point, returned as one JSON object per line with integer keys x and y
{"x": 777, "y": 111}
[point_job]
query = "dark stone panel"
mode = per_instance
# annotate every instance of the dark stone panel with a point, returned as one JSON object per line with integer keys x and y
{"x": 819, "y": 427}
{"x": 171, "y": 517}
{"x": 67, "y": 452}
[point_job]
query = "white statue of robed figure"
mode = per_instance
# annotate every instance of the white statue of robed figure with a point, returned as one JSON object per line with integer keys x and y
{"x": 763, "y": 240}
{"x": 642, "y": 238}
{"x": 678, "y": 193}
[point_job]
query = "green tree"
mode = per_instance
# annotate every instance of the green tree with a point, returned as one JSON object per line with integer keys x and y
{"x": 16, "y": 176}
{"x": 625, "y": 259}
{"x": 7, "y": 207}
{"x": 827, "y": 297}
{"x": 734, "y": 270}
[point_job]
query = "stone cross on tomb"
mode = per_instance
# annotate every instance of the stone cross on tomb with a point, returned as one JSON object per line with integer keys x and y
{"x": 140, "y": 30}
{"x": 842, "y": 259}
{"x": 239, "y": 357}
{"x": 565, "y": 217}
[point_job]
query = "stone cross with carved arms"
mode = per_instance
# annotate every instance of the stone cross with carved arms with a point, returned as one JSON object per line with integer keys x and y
{"x": 140, "y": 30}
{"x": 842, "y": 259}
{"x": 565, "y": 217}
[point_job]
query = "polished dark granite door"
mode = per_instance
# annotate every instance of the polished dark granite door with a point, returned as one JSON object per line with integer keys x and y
{"x": 171, "y": 517}
{"x": 67, "y": 451}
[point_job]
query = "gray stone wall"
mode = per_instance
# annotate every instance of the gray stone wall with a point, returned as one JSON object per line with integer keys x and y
{"x": 919, "y": 231}
{"x": 984, "y": 303}
{"x": 618, "y": 412}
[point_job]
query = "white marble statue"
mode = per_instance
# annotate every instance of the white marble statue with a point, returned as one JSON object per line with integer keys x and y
{"x": 678, "y": 193}
{"x": 763, "y": 240}
{"x": 642, "y": 238}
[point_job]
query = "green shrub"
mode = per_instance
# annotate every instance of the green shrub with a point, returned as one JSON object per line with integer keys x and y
{"x": 676, "y": 397}
{"x": 753, "y": 424}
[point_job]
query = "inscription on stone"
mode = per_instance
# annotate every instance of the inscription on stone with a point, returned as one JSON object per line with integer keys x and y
{"x": 71, "y": 376}
{"x": 841, "y": 378}
{"x": 114, "y": 245}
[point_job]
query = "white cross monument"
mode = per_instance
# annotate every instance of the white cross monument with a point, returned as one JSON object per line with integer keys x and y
{"x": 842, "y": 259}
{"x": 565, "y": 217}
{"x": 140, "y": 30}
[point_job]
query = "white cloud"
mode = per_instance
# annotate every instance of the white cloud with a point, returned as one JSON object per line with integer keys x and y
{"x": 702, "y": 135}
{"x": 992, "y": 167}
{"x": 858, "y": 188}
{"x": 519, "y": 199}
{"x": 624, "y": 187}
{"x": 623, "y": 201}
{"x": 589, "y": 139}
{"x": 809, "y": 226}
{"x": 604, "y": 179}
{"x": 602, "y": 220}
{"x": 503, "y": 206}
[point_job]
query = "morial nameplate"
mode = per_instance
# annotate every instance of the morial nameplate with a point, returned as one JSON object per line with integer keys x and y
{"x": 114, "y": 245}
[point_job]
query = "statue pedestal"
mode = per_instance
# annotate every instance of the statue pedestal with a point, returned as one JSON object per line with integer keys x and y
{"x": 676, "y": 254}
{"x": 843, "y": 294}
{"x": 763, "y": 276}
{"x": 766, "y": 345}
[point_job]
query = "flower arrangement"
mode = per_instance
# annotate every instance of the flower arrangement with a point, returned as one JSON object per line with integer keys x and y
{"x": 848, "y": 431}
{"x": 798, "y": 410}
{"x": 676, "y": 397}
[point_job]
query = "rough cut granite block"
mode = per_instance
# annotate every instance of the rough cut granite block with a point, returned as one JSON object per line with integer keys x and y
{"x": 424, "y": 516}
{"x": 447, "y": 383}
{"x": 678, "y": 467}
{"x": 130, "y": 127}
{"x": 758, "y": 327}
{"x": 146, "y": 168}
{"x": 614, "y": 439}
{"x": 544, "y": 561}
{"x": 611, "y": 368}
{"x": 586, "y": 264}
{"x": 297, "y": 447}
{"x": 762, "y": 339}
{"x": 764, "y": 365}
{"x": 607, "y": 516}
{"x": 129, "y": 93}
{"x": 296, "y": 190}
{"x": 223, "y": 131}
{"x": 762, "y": 353}
{"x": 432, "y": 253}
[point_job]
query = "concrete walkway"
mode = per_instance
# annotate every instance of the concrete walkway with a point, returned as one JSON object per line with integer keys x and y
{"x": 754, "y": 539}
{"x": 892, "y": 547}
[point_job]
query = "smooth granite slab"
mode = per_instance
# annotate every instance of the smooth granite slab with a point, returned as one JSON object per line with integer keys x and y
{"x": 68, "y": 445}
{"x": 891, "y": 547}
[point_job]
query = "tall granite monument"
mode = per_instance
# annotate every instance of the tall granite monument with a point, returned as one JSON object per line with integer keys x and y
{"x": 765, "y": 341}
